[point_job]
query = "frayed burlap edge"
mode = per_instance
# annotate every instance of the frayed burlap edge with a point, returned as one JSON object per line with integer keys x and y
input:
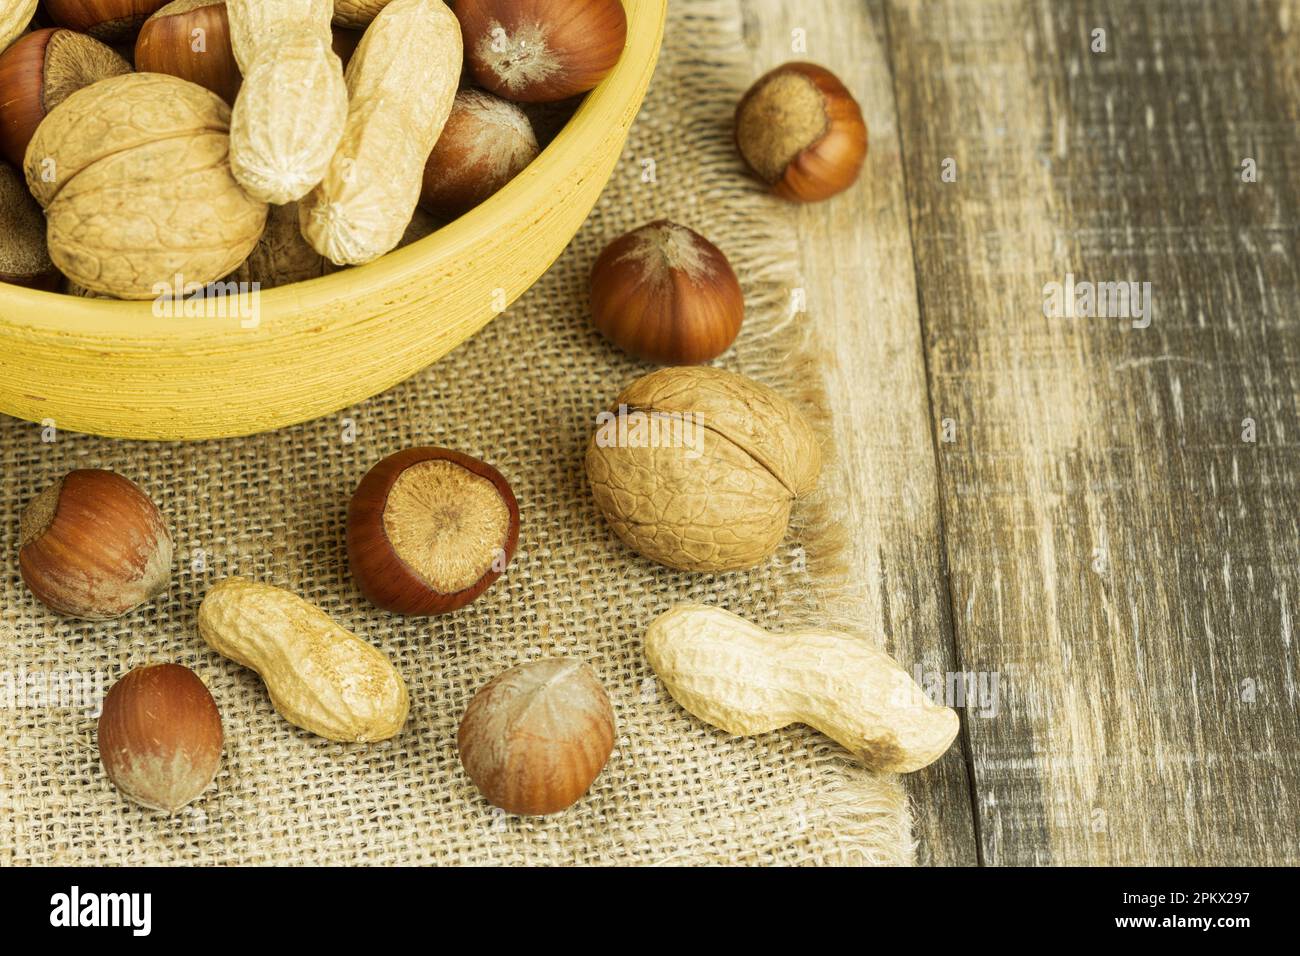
{"x": 866, "y": 818}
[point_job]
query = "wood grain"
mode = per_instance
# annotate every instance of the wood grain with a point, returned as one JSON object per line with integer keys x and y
{"x": 857, "y": 276}
{"x": 1121, "y": 551}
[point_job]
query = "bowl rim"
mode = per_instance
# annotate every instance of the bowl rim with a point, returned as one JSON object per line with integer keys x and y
{"x": 287, "y": 310}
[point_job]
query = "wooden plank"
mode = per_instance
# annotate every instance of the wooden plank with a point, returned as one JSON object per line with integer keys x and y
{"x": 1123, "y": 546}
{"x": 857, "y": 276}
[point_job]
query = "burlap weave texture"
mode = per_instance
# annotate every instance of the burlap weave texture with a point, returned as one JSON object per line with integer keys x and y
{"x": 523, "y": 395}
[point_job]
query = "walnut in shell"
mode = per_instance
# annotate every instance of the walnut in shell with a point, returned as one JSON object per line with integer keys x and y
{"x": 698, "y": 468}
{"x": 134, "y": 174}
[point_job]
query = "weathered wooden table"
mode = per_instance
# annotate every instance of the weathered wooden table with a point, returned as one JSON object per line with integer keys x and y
{"x": 1100, "y": 512}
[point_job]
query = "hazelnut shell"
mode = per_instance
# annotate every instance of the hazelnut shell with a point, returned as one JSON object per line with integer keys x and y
{"x": 535, "y": 737}
{"x": 486, "y": 142}
{"x": 38, "y": 72}
{"x": 93, "y": 546}
{"x": 539, "y": 51}
{"x": 160, "y": 736}
{"x": 801, "y": 131}
{"x": 107, "y": 20}
{"x": 433, "y": 540}
{"x": 166, "y": 45}
{"x": 666, "y": 294}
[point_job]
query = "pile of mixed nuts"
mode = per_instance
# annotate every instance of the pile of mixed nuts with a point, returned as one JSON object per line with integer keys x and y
{"x": 152, "y": 173}
{"x": 223, "y": 140}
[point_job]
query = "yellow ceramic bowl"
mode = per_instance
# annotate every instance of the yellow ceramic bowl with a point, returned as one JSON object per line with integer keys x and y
{"x": 116, "y": 368}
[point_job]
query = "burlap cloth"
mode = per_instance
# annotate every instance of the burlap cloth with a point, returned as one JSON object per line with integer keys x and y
{"x": 523, "y": 394}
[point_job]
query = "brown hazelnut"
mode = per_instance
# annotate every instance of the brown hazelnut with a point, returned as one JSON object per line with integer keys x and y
{"x": 92, "y": 545}
{"x": 24, "y": 257}
{"x": 535, "y": 737}
{"x": 39, "y": 72}
{"x": 191, "y": 39}
{"x": 103, "y": 19}
{"x": 665, "y": 293}
{"x": 802, "y": 132}
{"x": 486, "y": 142}
{"x": 429, "y": 529}
{"x": 535, "y": 51}
{"x": 160, "y": 736}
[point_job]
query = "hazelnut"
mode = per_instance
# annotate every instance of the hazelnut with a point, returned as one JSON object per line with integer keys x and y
{"x": 191, "y": 39}
{"x": 429, "y": 529}
{"x": 486, "y": 142}
{"x": 24, "y": 258}
{"x": 665, "y": 293}
{"x": 536, "y": 51}
{"x": 801, "y": 132}
{"x": 698, "y": 468}
{"x": 92, "y": 545}
{"x": 160, "y": 736}
{"x": 535, "y": 737}
{"x": 40, "y": 71}
{"x": 103, "y": 19}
